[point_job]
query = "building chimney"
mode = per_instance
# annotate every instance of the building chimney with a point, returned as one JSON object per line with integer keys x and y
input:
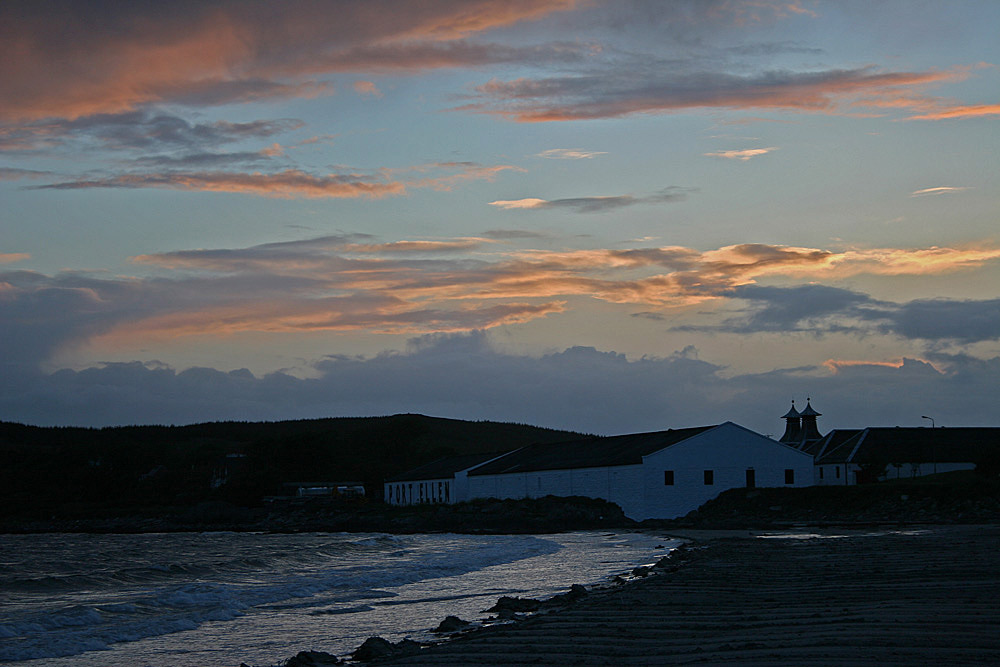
{"x": 809, "y": 429}
{"x": 793, "y": 431}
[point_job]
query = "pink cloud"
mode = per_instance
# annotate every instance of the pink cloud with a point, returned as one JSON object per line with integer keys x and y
{"x": 11, "y": 257}
{"x": 367, "y": 88}
{"x": 76, "y": 62}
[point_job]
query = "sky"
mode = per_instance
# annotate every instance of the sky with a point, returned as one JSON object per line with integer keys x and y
{"x": 608, "y": 217}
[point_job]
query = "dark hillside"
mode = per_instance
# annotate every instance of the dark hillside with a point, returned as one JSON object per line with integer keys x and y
{"x": 63, "y": 472}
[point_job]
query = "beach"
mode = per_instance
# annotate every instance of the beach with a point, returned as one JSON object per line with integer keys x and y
{"x": 879, "y": 596}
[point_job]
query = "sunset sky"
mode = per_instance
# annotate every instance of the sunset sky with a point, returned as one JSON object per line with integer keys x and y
{"x": 603, "y": 216}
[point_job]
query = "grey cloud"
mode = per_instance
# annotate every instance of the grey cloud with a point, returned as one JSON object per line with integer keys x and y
{"x": 786, "y": 309}
{"x": 146, "y": 130}
{"x": 13, "y": 174}
{"x": 773, "y": 48}
{"x": 669, "y": 194}
{"x": 823, "y": 309}
{"x": 640, "y": 87}
{"x": 964, "y": 321}
{"x": 202, "y": 160}
{"x": 465, "y": 376}
{"x": 512, "y": 234}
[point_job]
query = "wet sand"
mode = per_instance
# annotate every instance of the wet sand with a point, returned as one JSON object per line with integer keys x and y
{"x": 915, "y": 596}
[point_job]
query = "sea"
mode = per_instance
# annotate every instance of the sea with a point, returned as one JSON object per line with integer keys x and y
{"x": 220, "y": 599}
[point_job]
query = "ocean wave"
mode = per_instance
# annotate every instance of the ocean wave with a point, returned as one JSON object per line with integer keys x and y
{"x": 132, "y": 602}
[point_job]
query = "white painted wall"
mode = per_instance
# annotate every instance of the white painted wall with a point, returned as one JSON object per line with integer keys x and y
{"x": 618, "y": 484}
{"x": 728, "y": 450}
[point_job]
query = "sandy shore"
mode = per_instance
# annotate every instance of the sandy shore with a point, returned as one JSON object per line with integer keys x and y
{"x": 857, "y": 597}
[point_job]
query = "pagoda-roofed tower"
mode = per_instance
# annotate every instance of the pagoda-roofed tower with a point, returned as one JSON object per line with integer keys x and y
{"x": 809, "y": 430}
{"x": 793, "y": 430}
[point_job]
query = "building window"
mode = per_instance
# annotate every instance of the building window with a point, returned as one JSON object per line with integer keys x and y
{"x": 668, "y": 477}
{"x": 709, "y": 477}
{"x": 789, "y": 476}
{"x": 751, "y": 478}
{"x": 821, "y": 472}
{"x": 837, "y": 468}
{"x": 447, "y": 492}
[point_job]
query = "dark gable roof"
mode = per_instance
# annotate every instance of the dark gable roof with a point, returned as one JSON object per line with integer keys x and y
{"x": 832, "y": 441}
{"x": 915, "y": 445}
{"x": 444, "y": 468}
{"x": 618, "y": 450}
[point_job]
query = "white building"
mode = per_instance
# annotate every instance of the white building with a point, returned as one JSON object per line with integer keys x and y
{"x": 662, "y": 475}
{"x": 440, "y": 481}
{"x": 850, "y": 456}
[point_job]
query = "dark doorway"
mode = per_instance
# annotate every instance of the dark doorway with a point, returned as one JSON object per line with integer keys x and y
{"x": 751, "y": 478}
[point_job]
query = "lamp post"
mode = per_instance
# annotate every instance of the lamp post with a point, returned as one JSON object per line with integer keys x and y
{"x": 932, "y": 426}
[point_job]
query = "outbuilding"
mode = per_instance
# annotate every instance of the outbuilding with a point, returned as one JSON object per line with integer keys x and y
{"x": 852, "y": 456}
{"x": 440, "y": 481}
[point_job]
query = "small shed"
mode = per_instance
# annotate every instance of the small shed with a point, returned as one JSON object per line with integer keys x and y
{"x": 320, "y": 489}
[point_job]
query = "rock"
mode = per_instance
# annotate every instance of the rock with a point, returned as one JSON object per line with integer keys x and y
{"x": 515, "y": 604}
{"x": 313, "y": 659}
{"x": 374, "y": 647}
{"x": 576, "y": 592}
{"x": 640, "y": 571}
{"x": 406, "y": 647}
{"x": 451, "y": 624}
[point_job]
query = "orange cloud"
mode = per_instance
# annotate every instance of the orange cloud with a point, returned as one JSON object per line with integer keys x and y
{"x": 287, "y": 184}
{"x": 650, "y": 275}
{"x": 349, "y": 282}
{"x": 942, "y": 190}
{"x": 968, "y": 111}
{"x": 377, "y": 315}
{"x": 75, "y": 61}
{"x": 11, "y": 257}
{"x": 836, "y": 365}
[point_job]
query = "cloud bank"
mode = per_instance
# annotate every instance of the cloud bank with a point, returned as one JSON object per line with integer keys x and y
{"x": 561, "y": 390}
{"x": 355, "y": 283}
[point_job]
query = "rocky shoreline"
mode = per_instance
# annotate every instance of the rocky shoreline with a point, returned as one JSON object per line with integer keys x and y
{"x": 923, "y": 595}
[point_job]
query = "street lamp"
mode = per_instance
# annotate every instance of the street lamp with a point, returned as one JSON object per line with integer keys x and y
{"x": 926, "y": 417}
